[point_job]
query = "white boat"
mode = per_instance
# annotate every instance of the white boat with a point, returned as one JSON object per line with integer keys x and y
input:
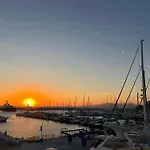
{"x": 104, "y": 142}
{"x": 143, "y": 135}
{"x": 7, "y": 107}
{"x": 126, "y": 138}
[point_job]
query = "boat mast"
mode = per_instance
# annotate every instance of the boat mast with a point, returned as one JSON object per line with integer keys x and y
{"x": 146, "y": 119}
{"x": 84, "y": 100}
{"x": 137, "y": 98}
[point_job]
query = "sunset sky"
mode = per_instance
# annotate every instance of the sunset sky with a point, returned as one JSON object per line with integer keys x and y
{"x": 58, "y": 49}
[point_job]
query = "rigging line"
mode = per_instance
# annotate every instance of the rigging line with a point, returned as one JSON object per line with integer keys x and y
{"x": 111, "y": 113}
{"x": 130, "y": 93}
{"x": 137, "y": 108}
{"x": 147, "y": 84}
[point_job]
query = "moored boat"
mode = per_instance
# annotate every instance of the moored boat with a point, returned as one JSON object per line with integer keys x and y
{"x": 7, "y": 107}
{"x": 105, "y": 142}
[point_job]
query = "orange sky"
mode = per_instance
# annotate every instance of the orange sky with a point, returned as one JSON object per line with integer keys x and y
{"x": 45, "y": 94}
{"x": 45, "y": 98}
{"x": 50, "y": 55}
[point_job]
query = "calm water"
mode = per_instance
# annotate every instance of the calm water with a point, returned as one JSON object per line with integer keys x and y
{"x": 27, "y": 127}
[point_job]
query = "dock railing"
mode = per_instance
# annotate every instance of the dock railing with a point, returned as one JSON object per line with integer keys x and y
{"x": 44, "y": 137}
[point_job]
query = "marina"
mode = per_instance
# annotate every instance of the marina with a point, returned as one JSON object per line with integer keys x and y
{"x": 74, "y": 75}
{"x": 104, "y": 130}
{"x": 28, "y": 127}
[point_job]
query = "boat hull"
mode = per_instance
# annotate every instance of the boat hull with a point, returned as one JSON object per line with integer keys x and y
{"x": 8, "y": 109}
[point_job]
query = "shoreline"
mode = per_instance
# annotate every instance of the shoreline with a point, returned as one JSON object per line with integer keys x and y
{"x": 23, "y": 127}
{"x": 70, "y": 118}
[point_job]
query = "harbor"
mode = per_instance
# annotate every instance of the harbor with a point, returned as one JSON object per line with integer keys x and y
{"x": 91, "y": 120}
{"x": 75, "y": 75}
{"x": 21, "y": 127}
{"x": 102, "y": 129}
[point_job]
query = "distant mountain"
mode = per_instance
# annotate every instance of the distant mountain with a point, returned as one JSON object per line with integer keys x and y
{"x": 111, "y": 105}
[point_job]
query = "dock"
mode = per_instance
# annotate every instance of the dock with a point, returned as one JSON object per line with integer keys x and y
{"x": 83, "y": 134}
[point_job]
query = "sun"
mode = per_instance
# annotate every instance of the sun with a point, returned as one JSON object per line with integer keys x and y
{"x": 29, "y": 102}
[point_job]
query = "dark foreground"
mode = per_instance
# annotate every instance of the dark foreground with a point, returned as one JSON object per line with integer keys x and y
{"x": 60, "y": 143}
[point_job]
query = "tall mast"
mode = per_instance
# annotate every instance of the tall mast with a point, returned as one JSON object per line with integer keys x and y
{"x": 107, "y": 101}
{"x": 88, "y": 102}
{"x": 83, "y": 99}
{"x": 75, "y": 101}
{"x": 146, "y": 119}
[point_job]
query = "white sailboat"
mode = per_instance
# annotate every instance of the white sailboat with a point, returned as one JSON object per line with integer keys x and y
{"x": 143, "y": 136}
{"x": 124, "y": 139}
{"x": 104, "y": 142}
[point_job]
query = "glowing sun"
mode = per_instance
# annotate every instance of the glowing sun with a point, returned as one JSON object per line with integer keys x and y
{"x": 29, "y": 102}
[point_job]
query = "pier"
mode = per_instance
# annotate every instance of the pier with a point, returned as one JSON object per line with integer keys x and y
{"x": 83, "y": 134}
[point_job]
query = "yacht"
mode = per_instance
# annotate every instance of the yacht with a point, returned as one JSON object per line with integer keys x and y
{"x": 7, "y": 107}
{"x": 105, "y": 142}
{"x": 127, "y": 138}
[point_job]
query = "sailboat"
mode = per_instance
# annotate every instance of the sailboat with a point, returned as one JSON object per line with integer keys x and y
{"x": 144, "y": 135}
{"x": 105, "y": 142}
{"x": 127, "y": 140}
